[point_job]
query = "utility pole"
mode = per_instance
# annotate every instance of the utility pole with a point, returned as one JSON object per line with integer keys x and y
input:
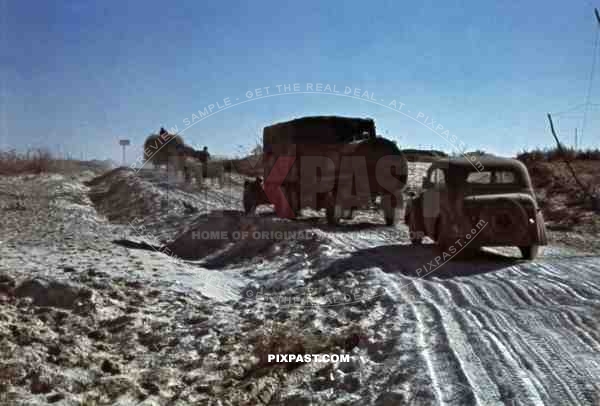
{"x": 589, "y": 90}
{"x": 575, "y": 138}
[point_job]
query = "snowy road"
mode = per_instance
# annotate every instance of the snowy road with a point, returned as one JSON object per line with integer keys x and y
{"x": 488, "y": 330}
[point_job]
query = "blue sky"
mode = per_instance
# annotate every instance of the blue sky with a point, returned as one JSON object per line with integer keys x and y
{"x": 77, "y": 76}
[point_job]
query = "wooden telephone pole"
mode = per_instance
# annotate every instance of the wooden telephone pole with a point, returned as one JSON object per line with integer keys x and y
{"x": 589, "y": 90}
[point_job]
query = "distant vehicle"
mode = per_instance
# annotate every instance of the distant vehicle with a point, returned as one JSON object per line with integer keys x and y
{"x": 488, "y": 204}
{"x": 336, "y": 141}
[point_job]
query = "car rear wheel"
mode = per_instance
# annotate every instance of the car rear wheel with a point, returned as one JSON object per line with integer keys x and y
{"x": 416, "y": 240}
{"x": 440, "y": 236}
{"x": 530, "y": 252}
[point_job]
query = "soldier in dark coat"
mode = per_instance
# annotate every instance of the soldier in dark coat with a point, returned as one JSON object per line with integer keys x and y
{"x": 204, "y": 156}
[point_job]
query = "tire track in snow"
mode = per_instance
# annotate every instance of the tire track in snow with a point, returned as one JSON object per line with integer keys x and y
{"x": 458, "y": 366}
{"x": 528, "y": 362}
{"x": 529, "y": 347}
{"x": 410, "y": 372}
{"x": 503, "y": 362}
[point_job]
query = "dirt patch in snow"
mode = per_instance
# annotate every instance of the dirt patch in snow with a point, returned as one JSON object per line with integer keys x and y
{"x": 228, "y": 237}
{"x": 121, "y": 196}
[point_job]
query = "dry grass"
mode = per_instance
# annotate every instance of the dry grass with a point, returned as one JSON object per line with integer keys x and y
{"x": 281, "y": 338}
{"x": 557, "y": 179}
{"x": 40, "y": 161}
{"x": 31, "y": 162}
{"x": 563, "y": 202}
{"x": 555, "y": 154}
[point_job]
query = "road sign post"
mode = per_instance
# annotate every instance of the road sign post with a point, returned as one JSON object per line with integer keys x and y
{"x": 124, "y": 143}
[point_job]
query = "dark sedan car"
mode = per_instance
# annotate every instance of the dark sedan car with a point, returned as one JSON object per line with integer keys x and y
{"x": 466, "y": 204}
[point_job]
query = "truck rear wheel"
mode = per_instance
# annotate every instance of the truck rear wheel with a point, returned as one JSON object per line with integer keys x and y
{"x": 292, "y": 195}
{"x": 390, "y": 207}
{"x": 334, "y": 214}
{"x": 347, "y": 214}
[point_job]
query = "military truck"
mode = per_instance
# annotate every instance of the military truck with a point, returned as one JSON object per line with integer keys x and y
{"x": 337, "y": 163}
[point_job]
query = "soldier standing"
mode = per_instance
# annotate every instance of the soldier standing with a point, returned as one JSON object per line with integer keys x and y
{"x": 204, "y": 157}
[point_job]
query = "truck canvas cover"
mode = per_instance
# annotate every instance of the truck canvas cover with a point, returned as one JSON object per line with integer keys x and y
{"x": 319, "y": 130}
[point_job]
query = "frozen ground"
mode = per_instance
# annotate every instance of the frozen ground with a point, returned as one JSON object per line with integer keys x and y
{"x": 86, "y": 321}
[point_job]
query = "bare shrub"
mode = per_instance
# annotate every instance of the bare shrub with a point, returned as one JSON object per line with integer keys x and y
{"x": 554, "y": 154}
{"x": 37, "y": 161}
{"x": 30, "y": 162}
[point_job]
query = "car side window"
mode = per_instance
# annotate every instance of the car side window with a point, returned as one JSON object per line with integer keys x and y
{"x": 437, "y": 177}
{"x": 505, "y": 177}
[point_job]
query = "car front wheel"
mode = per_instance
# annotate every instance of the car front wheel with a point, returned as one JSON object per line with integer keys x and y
{"x": 529, "y": 252}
